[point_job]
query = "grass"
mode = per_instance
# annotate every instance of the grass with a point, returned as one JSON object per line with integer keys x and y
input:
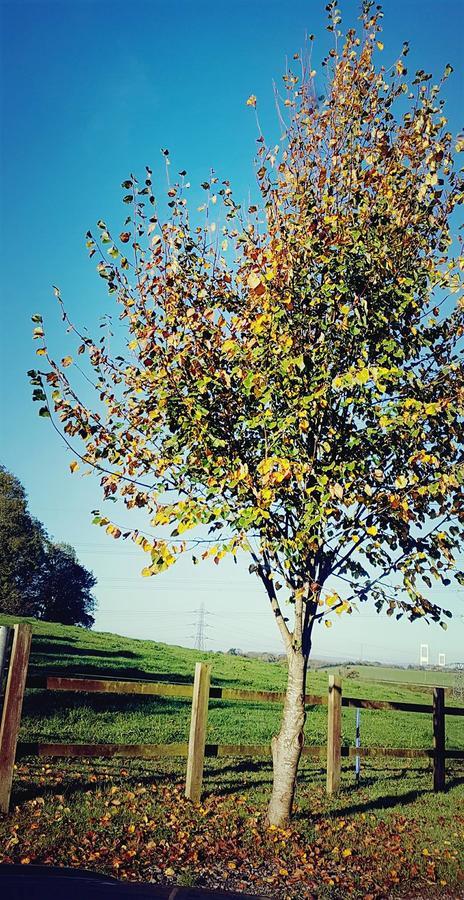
{"x": 56, "y": 717}
{"x": 391, "y": 823}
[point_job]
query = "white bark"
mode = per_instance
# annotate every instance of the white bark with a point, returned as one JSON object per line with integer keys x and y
{"x": 288, "y": 744}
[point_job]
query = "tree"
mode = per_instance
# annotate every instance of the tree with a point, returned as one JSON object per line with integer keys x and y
{"x": 66, "y": 586}
{"x": 22, "y": 551}
{"x": 38, "y": 577}
{"x": 294, "y": 382}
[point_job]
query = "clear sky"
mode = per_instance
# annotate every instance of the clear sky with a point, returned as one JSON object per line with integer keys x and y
{"x": 91, "y": 91}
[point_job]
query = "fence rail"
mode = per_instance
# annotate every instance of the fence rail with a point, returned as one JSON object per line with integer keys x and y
{"x": 185, "y": 690}
{"x": 160, "y": 751}
{"x": 196, "y": 749}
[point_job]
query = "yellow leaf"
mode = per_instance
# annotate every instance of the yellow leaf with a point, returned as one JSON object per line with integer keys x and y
{"x": 342, "y": 608}
{"x": 362, "y": 376}
{"x": 346, "y": 852}
{"x": 146, "y": 572}
{"x": 328, "y": 624}
{"x": 229, "y": 345}
{"x": 372, "y": 530}
{"x": 259, "y": 323}
{"x": 251, "y": 101}
{"x": 169, "y": 872}
{"x": 254, "y": 283}
{"x": 74, "y": 465}
{"x": 253, "y": 280}
{"x": 380, "y": 45}
{"x": 66, "y": 361}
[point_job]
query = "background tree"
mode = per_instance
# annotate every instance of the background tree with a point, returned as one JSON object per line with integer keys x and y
{"x": 65, "y": 588}
{"x": 22, "y": 551}
{"x": 37, "y": 577}
{"x": 293, "y": 378}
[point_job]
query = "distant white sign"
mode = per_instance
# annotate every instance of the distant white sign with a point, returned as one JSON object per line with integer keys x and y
{"x": 424, "y": 655}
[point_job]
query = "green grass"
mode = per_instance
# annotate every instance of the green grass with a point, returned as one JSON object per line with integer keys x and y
{"x": 64, "y": 810}
{"x": 103, "y": 718}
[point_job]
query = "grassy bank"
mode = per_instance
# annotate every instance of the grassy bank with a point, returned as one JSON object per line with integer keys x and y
{"x": 115, "y": 719}
{"x": 386, "y": 836}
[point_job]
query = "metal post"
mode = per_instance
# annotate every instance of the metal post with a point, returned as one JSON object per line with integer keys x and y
{"x": 358, "y": 744}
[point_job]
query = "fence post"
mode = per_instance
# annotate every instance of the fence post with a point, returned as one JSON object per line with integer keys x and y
{"x": 439, "y": 739}
{"x": 197, "y": 739}
{"x": 12, "y": 706}
{"x": 334, "y": 734}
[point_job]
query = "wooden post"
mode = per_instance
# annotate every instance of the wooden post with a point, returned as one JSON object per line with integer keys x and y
{"x": 12, "y": 706}
{"x": 334, "y": 735}
{"x": 439, "y": 739}
{"x": 197, "y": 739}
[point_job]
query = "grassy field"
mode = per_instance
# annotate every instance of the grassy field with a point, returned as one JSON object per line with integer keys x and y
{"x": 369, "y": 842}
{"x": 114, "y": 719}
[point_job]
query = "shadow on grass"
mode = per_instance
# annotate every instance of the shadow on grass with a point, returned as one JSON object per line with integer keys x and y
{"x": 50, "y": 650}
{"x": 39, "y": 704}
{"x": 308, "y": 777}
{"x": 22, "y": 793}
{"x": 388, "y": 801}
{"x": 261, "y": 769}
{"x": 83, "y": 668}
{"x": 46, "y": 639}
{"x": 232, "y": 778}
{"x": 112, "y": 673}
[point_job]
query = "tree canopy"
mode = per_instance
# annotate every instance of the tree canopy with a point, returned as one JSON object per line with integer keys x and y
{"x": 22, "y": 552}
{"x": 292, "y": 377}
{"x": 38, "y": 577}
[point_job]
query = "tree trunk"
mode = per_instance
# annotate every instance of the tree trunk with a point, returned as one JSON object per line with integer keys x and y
{"x": 288, "y": 744}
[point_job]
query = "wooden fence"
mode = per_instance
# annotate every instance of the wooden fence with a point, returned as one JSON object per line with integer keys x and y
{"x": 196, "y": 749}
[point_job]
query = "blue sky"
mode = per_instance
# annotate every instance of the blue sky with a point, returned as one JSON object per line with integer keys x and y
{"x": 91, "y": 91}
